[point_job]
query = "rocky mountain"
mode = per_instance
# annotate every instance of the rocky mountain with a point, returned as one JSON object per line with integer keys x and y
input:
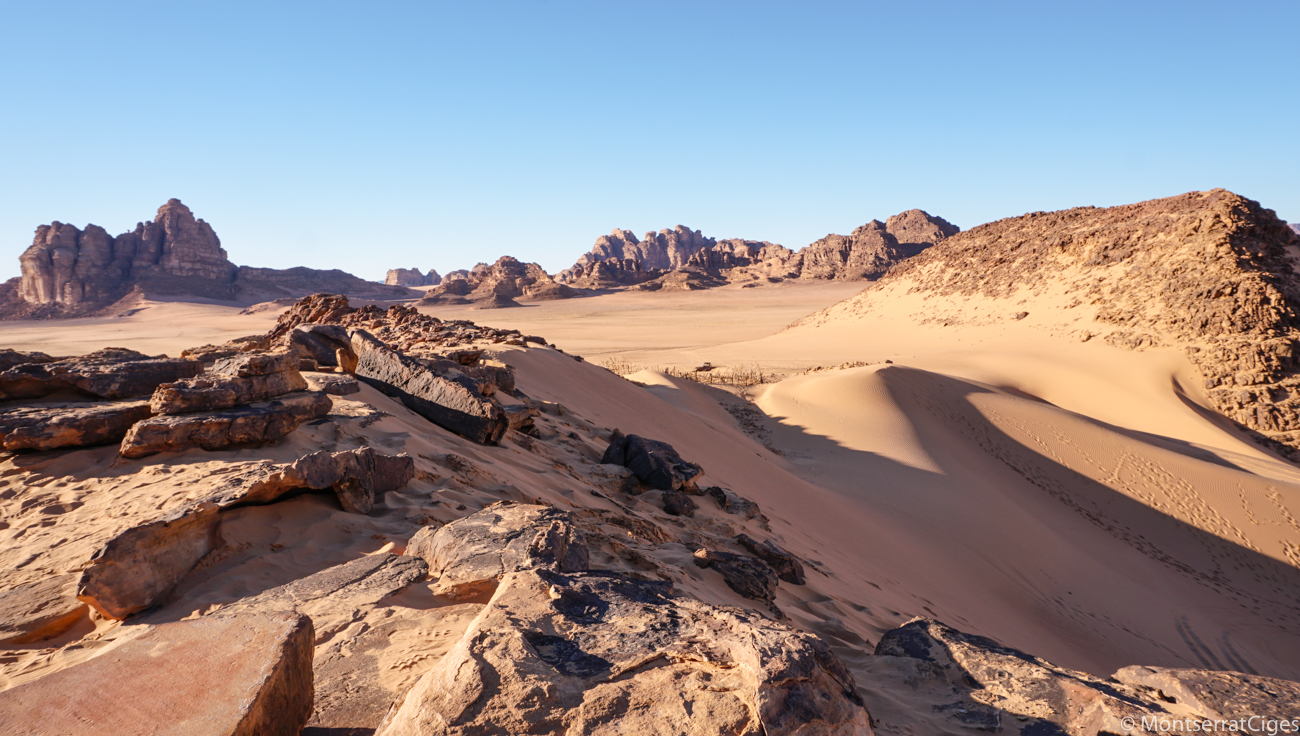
{"x": 497, "y": 285}
{"x": 412, "y": 277}
{"x": 1210, "y": 273}
{"x": 1296, "y": 227}
{"x": 685, "y": 259}
{"x": 69, "y": 271}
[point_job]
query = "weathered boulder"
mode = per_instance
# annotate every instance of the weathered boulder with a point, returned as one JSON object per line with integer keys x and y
{"x": 733, "y": 503}
{"x": 977, "y": 683}
{"x": 356, "y": 476}
{"x": 319, "y": 341}
{"x": 240, "y": 379}
{"x": 111, "y": 373}
{"x": 347, "y": 587}
{"x": 748, "y": 576}
{"x": 252, "y": 424}
{"x": 334, "y": 384}
{"x": 787, "y": 566}
{"x": 39, "y": 610}
{"x": 677, "y": 503}
{"x": 315, "y": 309}
{"x": 50, "y": 427}
{"x": 656, "y": 464}
{"x": 447, "y": 403}
{"x": 247, "y": 675}
{"x": 469, "y": 555}
{"x": 600, "y": 653}
{"x": 615, "y": 478}
{"x": 10, "y": 358}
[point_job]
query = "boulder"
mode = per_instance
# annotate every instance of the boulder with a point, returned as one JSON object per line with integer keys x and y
{"x": 615, "y": 478}
{"x": 656, "y": 464}
{"x": 520, "y": 416}
{"x": 787, "y": 566}
{"x": 69, "y": 425}
{"x": 469, "y": 555}
{"x": 447, "y": 403}
{"x": 602, "y": 653}
{"x": 334, "y": 384}
{"x": 677, "y": 503}
{"x": 356, "y": 476}
{"x": 39, "y": 610}
{"x": 252, "y": 424}
{"x": 973, "y": 682}
{"x": 320, "y": 342}
{"x": 241, "y": 379}
{"x": 111, "y": 373}
{"x": 733, "y": 503}
{"x": 748, "y": 576}
{"x": 247, "y": 675}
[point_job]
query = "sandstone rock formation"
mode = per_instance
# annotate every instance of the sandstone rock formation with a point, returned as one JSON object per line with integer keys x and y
{"x": 247, "y": 675}
{"x": 498, "y": 285}
{"x": 48, "y": 427}
{"x": 1296, "y": 227}
{"x": 683, "y": 260}
{"x": 39, "y": 610}
{"x": 603, "y": 653}
{"x": 68, "y": 271}
{"x": 241, "y": 379}
{"x": 975, "y": 683}
{"x": 1211, "y": 273}
{"x": 247, "y": 425}
{"x": 412, "y": 277}
{"x": 111, "y": 373}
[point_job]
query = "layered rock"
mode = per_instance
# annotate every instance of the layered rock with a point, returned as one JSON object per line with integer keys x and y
{"x": 49, "y": 427}
{"x": 69, "y": 271}
{"x": 246, "y": 675}
{"x": 242, "y": 379}
{"x": 248, "y": 425}
{"x": 111, "y": 373}
{"x": 411, "y": 277}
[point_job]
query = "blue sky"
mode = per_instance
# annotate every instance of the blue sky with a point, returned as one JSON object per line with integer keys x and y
{"x": 367, "y": 136}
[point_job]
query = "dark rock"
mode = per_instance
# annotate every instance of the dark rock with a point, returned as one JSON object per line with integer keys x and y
{"x": 10, "y": 358}
{"x": 245, "y": 675}
{"x": 656, "y": 464}
{"x": 249, "y": 425}
{"x": 733, "y": 503}
{"x": 469, "y": 555}
{"x": 319, "y": 342}
{"x": 787, "y": 566}
{"x": 520, "y": 416}
{"x": 111, "y": 373}
{"x": 49, "y": 427}
{"x": 679, "y": 504}
{"x": 446, "y": 403}
{"x": 748, "y": 576}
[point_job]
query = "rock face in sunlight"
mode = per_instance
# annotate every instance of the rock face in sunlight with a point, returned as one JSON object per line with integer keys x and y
{"x": 412, "y": 277}
{"x": 497, "y": 285}
{"x": 680, "y": 260}
{"x": 71, "y": 272}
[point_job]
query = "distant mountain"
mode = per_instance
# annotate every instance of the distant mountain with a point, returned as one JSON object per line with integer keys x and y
{"x": 497, "y": 285}
{"x": 1296, "y": 227}
{"x": 682, "y": 258}
{"x": 412, "y": 277}
{"x": 69, "y": 272}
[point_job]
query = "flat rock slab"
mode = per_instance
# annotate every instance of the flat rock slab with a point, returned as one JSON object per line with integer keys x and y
{"x": 39, "y": 610}
{"x": 241, "y": 379}
{"x": 253, "y": 424}
{"x": 334, "y": 384}
{"x": 469, "y": 555}
{"x": 69, "y": 425}
{"x": 111, "y": 373}
{"x": 246, "y": 675}
{"x": 1219, "y": 695}
{"x": 449, "y": 404}
{"x": 601, "y": 653}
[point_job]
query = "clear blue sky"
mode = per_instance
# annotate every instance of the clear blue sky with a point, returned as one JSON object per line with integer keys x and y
{"x": 366, "y": 136}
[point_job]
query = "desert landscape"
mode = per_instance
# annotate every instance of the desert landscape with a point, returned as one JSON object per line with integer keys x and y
{"x": 1036, "y": 476}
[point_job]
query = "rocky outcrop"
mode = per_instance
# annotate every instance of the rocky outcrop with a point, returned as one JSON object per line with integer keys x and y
{"x": 975, "y": 683}
{"x": 498, "y": 285}
{"x": 111, "y": 373}
{"x": 1211, "y": 273}
{"x": 248, "y": 425}
{"x": 246, "y": 675}
{"x": 49, "y": 427}
{"x": 321, "y": 343}
{"x": 656, "y": 464}
{"x": 10, "y": 358}
{"x": 599, "y": 652}
{"x": 241, "y": 379}
{"x": 677, "y": 260}
{"x": 469, "y": 555}
{"x": 448, "y": 403}
{"x": 69, "y": 272}
{"x": 748, "y": 576}
{"x": 412, "y": 277}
